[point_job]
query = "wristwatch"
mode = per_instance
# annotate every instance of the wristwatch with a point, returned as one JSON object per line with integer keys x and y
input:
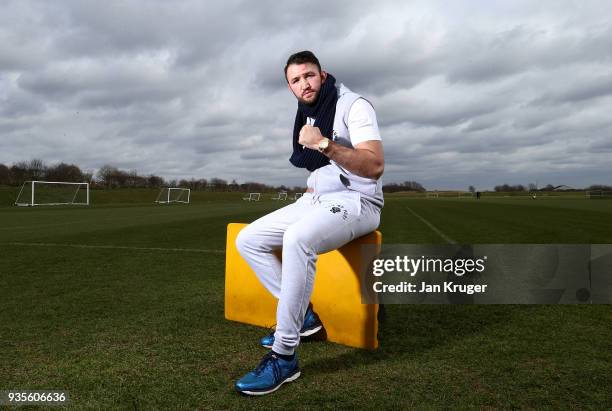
{"x": 323, "y": 144}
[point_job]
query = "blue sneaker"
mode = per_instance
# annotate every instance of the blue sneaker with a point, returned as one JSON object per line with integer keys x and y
{"x": 270, "y": 374}
{"x": 312, "y": 325}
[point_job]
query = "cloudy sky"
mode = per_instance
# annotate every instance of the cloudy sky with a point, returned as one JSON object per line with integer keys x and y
{"x": 466, "y": 92}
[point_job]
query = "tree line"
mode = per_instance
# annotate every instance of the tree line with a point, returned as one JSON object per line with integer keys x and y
{"x": 507, "y": 188}
{"x": 109, "y": 176}
{"x": 405, "y": 186}
{"x": 35, "y": 169}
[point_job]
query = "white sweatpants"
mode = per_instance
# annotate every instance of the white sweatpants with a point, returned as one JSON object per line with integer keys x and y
{"x": 312, "y": 225}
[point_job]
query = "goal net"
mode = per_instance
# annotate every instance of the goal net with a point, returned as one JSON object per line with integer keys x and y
{"x": 282, "y": 195}
{"x": 598, "y": 194}
{"x": 252, "y": 197}
{"x": 34, "y": 193}
{"x": 169, "y": 195}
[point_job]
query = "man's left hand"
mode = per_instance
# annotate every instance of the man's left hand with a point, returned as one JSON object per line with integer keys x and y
{"x": 310, "y": 137}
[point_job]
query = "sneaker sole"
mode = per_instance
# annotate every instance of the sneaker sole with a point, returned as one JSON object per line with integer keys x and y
{"x": 306, "y": 333}
{"x": 288, "y": 379}
{"x": 311, "y": 331}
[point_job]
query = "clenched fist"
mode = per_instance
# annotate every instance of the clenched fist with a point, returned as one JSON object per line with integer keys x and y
{"x": 310, "y": 137}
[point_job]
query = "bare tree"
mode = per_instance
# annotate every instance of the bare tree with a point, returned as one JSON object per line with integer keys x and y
{"x": 405, "y": 186}
{"x": 509, "y": 188}
{"x": 65, "y": 172}
{"x": 155, "y": 181}
{"x": 106, "y": 175}
{"x": 202, "y": 183}
{"x": 36, "y": 169}
{"x": 218, "y": 184}
{"x": 5, "y": 175}
{"x": 19, "y": 173}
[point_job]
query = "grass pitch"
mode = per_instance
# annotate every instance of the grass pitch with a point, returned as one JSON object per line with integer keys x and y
{"x": 121, "y": 305}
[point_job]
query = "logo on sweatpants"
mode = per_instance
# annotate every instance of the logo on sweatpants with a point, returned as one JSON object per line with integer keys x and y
{"x": 339, "y": 208}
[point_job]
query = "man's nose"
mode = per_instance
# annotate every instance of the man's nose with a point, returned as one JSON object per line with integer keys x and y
{"x": 305, "y": 84}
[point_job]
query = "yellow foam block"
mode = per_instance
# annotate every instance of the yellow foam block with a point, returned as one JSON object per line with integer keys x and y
{"x": 336, "y": 297}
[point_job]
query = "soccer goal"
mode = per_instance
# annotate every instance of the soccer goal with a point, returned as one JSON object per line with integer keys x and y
{"x": 252, "y": 197}
{"x": 598, "y": 194}
{"x": 35, "y": 193}
{"x": 431, "y": 195}
{"x": 297, "y": 195}
{"x": 282, "y": 195}
{"x": 169, "y": 195}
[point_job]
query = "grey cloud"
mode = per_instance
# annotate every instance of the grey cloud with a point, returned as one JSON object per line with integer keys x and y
{"x": 579, "y": 89}
{"x": 100, "y": 82}
{"x": 481, "y": 124}
{"x": 602, "y": 144}
{"x": 480, "y": 58}
{"x": 466, "y": 93}
{"x": 435, "y": 111}
{"x": 20, "y": 104}
{"x": 530, "y": 117}
{"x": 119, "y": 28}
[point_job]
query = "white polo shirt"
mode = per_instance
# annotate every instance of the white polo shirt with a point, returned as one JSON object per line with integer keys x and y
{"x": 354, "y": 123}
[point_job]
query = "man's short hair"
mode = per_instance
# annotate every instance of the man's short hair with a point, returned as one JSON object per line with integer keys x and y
{"x": 302, "y": 57}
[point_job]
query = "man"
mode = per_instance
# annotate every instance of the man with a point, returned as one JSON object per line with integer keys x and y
{"x": 335, "y": 137}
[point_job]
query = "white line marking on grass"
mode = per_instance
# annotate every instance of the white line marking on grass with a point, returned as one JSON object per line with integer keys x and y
{"x": 119, "y": 247}
{"x": 433, "y": 227}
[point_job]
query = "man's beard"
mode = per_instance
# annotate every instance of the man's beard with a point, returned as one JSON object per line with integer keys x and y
{"x": 316, "y": 93}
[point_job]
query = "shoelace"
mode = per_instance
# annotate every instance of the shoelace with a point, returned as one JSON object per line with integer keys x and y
{"x": 267, "y": 359}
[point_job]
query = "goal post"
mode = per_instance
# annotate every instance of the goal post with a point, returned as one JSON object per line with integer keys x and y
{"x": 36, "y": 193}
{"x": 169, "y": 195}
{"x": 252, "y": 197}
{"x": 598, "y": 194}
{"x": 282, "y": 195}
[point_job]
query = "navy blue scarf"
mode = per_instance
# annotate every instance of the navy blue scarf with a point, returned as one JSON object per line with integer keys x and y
{"x": 323, "y": 111}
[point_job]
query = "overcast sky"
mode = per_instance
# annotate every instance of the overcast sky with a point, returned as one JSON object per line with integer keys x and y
{"x": 466, "y": 92}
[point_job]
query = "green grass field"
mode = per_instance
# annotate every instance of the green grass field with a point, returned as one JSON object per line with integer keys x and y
{"x": 121, "y": 304}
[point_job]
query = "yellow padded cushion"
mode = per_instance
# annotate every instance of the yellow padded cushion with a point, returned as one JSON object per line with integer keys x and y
{"x": 336, "y": 297}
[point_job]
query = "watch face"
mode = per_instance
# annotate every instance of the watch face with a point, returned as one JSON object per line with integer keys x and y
{"x": 323, "y": 144}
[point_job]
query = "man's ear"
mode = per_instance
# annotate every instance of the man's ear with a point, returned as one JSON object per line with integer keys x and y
{"x": 323, "y": 76}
